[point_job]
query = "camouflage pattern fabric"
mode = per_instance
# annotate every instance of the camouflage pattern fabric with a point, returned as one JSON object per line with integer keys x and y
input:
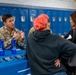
{"x": 7, "y": 36}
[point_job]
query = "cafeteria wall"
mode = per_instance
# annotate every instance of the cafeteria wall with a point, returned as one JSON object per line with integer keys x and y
{"x": 24, "y": 11}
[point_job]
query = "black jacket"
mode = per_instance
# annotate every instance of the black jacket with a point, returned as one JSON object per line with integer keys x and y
{"x": 71, "y": 36}
{"x": 43, "y": 48}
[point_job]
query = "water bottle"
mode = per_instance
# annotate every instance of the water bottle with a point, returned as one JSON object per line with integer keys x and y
{"x": 13, "y": 46}
{"x": 2, "y": 49}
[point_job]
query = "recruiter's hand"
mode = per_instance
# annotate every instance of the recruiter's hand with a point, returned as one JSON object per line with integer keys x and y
{"x": 16, "y": 36}
{"x": 22, "y": 34}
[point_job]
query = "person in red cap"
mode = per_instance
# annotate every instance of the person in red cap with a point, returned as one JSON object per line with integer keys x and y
{"x": 43, "y": 48}
{"x": 32, "y": 29}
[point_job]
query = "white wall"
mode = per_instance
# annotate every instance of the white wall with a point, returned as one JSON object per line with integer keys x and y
{"x": 70, "y": 4}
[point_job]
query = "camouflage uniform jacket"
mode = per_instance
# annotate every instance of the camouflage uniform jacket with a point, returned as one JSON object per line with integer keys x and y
{"x": 7, "y": 36}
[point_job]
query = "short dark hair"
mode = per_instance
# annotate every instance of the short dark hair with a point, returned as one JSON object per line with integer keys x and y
{"x": 5, "y": 17}
{"x": 73, "y": 16}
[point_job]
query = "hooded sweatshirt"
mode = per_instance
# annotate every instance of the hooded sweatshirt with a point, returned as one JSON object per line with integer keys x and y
{"x": 43, "y": 48}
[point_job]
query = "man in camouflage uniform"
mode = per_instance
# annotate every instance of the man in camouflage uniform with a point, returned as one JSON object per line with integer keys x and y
{"x": 8, "y": 31}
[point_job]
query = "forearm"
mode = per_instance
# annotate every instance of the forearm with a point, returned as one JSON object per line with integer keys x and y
{"x": 7, "y": 44}
{"x": 68, "y": 49}
{"x": 21, "y": 42}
